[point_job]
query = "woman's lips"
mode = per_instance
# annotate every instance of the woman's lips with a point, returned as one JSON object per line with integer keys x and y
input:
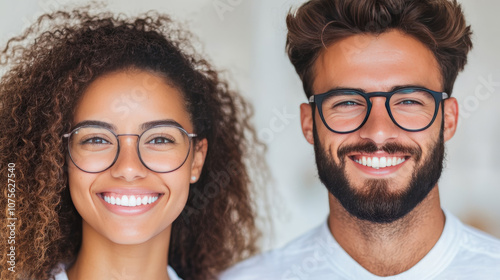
{"x": 129, "y": 204}
{"x": 129, "y": 200}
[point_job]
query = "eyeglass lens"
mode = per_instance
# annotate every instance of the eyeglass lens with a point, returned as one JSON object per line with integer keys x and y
{"x": 161, "y": 149}
{"x": 411, "y": 109}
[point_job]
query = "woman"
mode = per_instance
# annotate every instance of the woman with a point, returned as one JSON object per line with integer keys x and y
{"x": 127, "y": 151}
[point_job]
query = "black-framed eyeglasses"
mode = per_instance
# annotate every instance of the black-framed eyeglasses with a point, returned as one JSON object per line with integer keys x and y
{"x": 347, "y": 110}
{"x": 162, "y": 149}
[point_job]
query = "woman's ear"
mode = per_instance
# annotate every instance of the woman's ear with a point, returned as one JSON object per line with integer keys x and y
{"x": 450, "y": 117}
{"x": 199, "y": 154}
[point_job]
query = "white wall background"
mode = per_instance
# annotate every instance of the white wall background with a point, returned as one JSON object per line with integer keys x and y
{"x": 247, "y": 38}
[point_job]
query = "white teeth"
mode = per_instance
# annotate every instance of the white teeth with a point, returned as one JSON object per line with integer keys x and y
{"x": 131, "y": 200}
{"x": 382, "y": 162}
{"x": 124, "y": 200}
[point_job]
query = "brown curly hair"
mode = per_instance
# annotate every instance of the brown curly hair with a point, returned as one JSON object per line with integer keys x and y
{"x": 47, "y": 70}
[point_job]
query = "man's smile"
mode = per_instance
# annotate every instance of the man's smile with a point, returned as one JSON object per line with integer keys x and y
{"x": 379, "y": 163}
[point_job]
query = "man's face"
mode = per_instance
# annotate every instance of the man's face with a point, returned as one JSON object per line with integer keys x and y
{"x": 380, "y": 63}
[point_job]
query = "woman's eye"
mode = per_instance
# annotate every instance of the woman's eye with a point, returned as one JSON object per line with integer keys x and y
{"x": 160, "y": 140}
{"x": 95, "y": 141}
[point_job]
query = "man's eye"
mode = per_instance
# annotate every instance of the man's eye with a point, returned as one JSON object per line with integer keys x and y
{"x": 347, "y": 103}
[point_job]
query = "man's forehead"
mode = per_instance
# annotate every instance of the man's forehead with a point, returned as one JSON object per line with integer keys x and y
{"x": 376, "y": 63}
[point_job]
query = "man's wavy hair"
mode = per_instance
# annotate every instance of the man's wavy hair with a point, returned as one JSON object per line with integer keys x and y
{"x": 438, "y": 24}
{"x": 46, "y": 71}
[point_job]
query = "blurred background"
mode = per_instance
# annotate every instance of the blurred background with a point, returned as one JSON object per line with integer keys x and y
{"x": 247, "y": 39}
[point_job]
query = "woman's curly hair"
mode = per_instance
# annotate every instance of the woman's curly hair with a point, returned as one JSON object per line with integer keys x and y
{"x": 46, "y": 71}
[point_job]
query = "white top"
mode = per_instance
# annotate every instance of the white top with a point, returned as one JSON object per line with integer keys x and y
{"x": 63, "y": 276}
{"x": 460, "y": 253}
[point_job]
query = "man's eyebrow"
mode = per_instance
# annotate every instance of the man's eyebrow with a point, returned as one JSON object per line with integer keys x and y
{"x": 394, "y": 88}
{"x": 95, "y": 123}
{"x": 407, "y": 86}
{"x": 148, "y": 125}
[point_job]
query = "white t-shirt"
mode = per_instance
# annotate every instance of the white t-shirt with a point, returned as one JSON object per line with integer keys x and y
{"x": 63, "y": 276}
{"x": 460, "y": 253}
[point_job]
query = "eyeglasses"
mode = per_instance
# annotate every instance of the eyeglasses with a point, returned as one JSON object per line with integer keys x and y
{"x": 161, "y": 149}
{"x": 346, "y": 110}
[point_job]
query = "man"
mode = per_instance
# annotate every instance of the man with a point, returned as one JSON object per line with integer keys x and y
{"x": 378, "y": 76}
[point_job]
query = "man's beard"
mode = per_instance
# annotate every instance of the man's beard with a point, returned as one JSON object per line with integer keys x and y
{"x": 375, "y": 202}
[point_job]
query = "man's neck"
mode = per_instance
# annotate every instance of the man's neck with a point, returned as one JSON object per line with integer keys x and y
{"x": 389, "y": 249}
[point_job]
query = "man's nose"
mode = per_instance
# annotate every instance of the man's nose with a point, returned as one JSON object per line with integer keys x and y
{"x": 379, "y": 127}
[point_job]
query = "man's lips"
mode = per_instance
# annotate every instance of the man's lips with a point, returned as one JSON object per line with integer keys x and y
{"x": 378, "y": 161}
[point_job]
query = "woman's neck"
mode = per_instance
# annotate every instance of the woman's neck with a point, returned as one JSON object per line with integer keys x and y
{"x": 100, "y": 258}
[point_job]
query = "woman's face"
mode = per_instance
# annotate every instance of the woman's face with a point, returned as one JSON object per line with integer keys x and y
{"x": 129, "y": 102}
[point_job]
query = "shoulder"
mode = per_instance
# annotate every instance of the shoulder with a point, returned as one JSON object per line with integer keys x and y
{"x": 478, "y": 254}
{"x": 59, "y": 272}
{"x": 275, "y": 264}
{"x": 480, "y": 244}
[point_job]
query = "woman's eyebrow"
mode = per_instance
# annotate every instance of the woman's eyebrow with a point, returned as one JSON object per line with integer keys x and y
{"x": 148, "y": 125}
{"x": 95, "y": 123}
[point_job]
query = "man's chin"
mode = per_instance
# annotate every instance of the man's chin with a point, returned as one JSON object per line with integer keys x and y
{"x": 377, "y": 201}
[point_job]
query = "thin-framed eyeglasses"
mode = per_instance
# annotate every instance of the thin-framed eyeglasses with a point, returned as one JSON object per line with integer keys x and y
{"x": 162, "y": 148}
{"x": 347, "y": 110}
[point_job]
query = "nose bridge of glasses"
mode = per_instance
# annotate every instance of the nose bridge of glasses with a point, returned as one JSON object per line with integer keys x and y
{"x": 380, "y": 110}
{"x": 127, "y": 154}
{"x": 128, "y": 139}
{"x": 127, "y": 142}
{"x": 379, "y": 101}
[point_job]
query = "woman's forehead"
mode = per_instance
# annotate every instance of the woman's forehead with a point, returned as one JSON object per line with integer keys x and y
{"x": 130, "y": 98}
